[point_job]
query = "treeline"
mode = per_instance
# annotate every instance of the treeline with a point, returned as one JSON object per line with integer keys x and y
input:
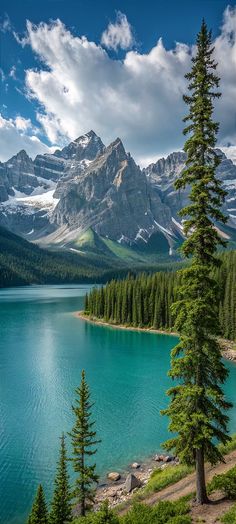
{"x": 145, "y": 300}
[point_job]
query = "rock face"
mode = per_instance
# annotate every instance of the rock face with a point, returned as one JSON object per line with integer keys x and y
{"x": 89, "y": 187}
{"x": 29, "y": 190}
{"x": 85, "y": 148}
{"x": 112, "y": 196}
{"x": 131, "y": 483}
{"x": 165, "y": 171}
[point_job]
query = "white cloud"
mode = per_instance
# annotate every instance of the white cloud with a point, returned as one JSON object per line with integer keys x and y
{"x": 2, "y": 75}
{"x": 118, "y": 34}
{"x": 12, "y": 72}
{"x": 79, "y": 87}
{"x": 5, "y": 24}
{"x": 14, "y": 137}
{"x": 22, "y": 124}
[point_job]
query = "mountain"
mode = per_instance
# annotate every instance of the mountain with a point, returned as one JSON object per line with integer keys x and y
{"x": 88, "y": 198}
{"x": 27, "y": 187}
{"x": 113, "y": 198}
{"x": 164, "y": 172}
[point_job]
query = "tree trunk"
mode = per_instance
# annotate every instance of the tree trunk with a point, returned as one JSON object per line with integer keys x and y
{"x": 82, "y": 507}
{"x": 200, "y": 478}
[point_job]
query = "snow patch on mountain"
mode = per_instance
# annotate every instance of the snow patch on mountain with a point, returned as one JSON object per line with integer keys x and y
{"x": 43, "y": 201}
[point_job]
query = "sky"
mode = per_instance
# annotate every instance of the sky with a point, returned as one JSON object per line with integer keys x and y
{"x": 117, "y": 67}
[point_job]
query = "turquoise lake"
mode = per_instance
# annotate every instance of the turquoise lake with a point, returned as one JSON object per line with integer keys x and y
{"x": 43, "y": 348}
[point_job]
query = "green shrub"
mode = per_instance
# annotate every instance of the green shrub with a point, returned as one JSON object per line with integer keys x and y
{"x": 165, "y": 510}
{"x": 230, "y": 516}
{"x": 180, "y": 519}
{"x": 161, "y": 478}
{"x": 162, "y": 513}
{"x": 230, "y": 446}
{"x": 104, "y": 516}
{"x": 139, "y": 514}
{"x": 225, "y": 482}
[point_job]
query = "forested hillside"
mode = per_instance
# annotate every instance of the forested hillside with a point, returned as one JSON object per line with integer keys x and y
{"x": 145, "y": 300}
{"x": 22, "y": 263}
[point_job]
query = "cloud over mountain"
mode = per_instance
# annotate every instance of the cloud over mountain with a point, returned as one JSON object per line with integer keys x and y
{"x": 79, "y": 86}
{"x": 18, "y": 133}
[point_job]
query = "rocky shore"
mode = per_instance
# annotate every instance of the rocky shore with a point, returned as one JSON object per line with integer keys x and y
{"x": 228, "y": 348}
{"x": 120, "y": 487}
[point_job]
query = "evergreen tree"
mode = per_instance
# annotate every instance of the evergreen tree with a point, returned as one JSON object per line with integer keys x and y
{"x": 159, "y": 291}
{"x": 61, "y": 506}
{"x": 83, "y": 442}
{"x": 198, "y": 408}
{"x": 86, "y": 302}
{"x": 39, "y": 512}
{"x": 106, "y": 516}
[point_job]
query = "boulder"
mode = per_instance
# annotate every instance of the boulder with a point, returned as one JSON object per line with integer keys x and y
{"x": 131, "y": 483}
{"x": 113, "y": 475}
{"x": 159, "y": 458}
{"x": 168, "y": 458}
{"x": 135, "y": 465}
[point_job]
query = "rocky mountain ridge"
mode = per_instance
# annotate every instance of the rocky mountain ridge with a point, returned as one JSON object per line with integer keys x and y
{"x": 57, "y": 199}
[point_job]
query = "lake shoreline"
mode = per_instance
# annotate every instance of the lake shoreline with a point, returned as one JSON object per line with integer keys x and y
{"x": 228, "y": 347}
{"x": 115, "y": 491}
{"x": 98, "y": 321}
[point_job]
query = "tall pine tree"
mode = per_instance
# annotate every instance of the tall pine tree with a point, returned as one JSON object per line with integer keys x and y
{"x": 84, "y": 446}
{"x": 61, "y": 505}
{"x": 39, "y": 512}
{"x": 198, "y": 408}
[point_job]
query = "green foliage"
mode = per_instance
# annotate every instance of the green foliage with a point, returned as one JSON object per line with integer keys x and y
{"x": 226, "y": 483}
{"x": 161, "y": 478}
{"x": 39, "y": 513}
{"x": 84, "y": 440}
{"x": 230, "y": 516}
{"x": 162, "y": 513}
{"x": 197, "y": 409}
{"x": 146, "y": 300}
{"x": 103, "y": 516}
{"x": 229, "y": 446}
{"x": 61, "y": 506}
{"x": 139, "y": 301}
{"x": 180, "y": 519}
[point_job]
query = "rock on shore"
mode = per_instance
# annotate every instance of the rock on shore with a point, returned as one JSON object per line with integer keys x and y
{"x": 121, "y": 488}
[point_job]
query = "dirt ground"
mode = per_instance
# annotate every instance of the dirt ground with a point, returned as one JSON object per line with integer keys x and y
{"x": 211, "y": 513}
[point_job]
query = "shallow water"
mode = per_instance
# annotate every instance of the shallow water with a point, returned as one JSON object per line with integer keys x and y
{"x": 43, "y": 349}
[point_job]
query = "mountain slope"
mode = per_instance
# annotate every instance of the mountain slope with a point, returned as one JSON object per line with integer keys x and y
{"x": 164, "y": 172}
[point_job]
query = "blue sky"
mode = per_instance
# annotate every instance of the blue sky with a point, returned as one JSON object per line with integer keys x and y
{"x": 118, "y": 80}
